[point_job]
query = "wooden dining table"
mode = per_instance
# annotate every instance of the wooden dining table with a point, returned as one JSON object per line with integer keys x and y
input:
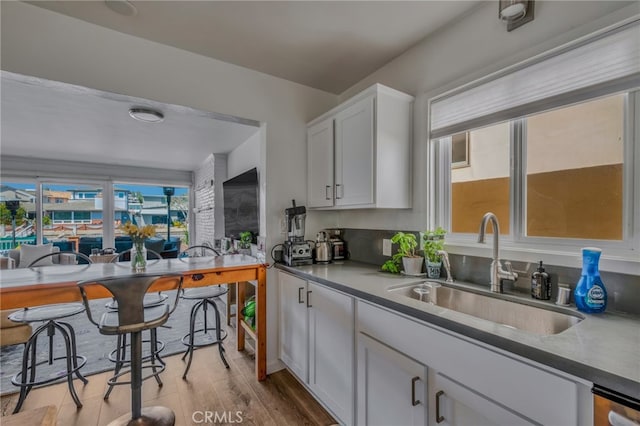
{"x": 44, "y": 285}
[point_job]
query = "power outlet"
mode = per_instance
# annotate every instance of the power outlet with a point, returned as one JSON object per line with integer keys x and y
{"x": 386, "y": 247}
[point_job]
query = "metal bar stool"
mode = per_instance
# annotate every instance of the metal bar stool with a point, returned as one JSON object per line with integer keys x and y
{"x": 132, "y": 318}
{"x": 51, "y": 315}
{"x": 205, "y": 297}
{"x": 119, "y": 355}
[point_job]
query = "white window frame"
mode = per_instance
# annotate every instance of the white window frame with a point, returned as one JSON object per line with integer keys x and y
{"x": 474, "y": 105}
{"x": 620, "y": 256}
{"x": 108, "y": 206}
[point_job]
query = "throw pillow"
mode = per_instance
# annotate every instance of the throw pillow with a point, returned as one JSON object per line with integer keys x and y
{"x": 30, "y": 253}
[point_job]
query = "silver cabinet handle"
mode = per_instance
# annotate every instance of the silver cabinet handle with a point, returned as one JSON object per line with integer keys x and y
{"x": 339, "y": 186}
{"x": 327, "y": 192}
{"x": 414, "y": 402}
{"x": 439, "y": 418}
{"x": 309, "y": 299}
{"x": 300, "y": 294}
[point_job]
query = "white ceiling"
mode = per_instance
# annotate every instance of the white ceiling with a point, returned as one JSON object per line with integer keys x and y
{"x": 328, "y": 45}
{"x": 45, "y": 119}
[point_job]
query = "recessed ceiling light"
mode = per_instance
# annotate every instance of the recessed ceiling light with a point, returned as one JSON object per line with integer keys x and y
{"x": 122, "y": 7}
{"x": 147, "y": 115}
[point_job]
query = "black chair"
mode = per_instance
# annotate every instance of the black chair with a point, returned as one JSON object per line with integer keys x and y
{"x": 205, "y": 297}
{"x": 132, "y": 318}
{"x": 50, "y": 315}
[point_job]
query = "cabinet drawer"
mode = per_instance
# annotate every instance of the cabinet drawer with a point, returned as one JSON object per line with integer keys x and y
{"x": 532, "y": 392}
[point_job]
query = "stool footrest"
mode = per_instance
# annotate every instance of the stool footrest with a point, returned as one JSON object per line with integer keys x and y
{"x": 81, "y": 360}
{"x": 186, "y": 337}
{"x": 113, "y": 381}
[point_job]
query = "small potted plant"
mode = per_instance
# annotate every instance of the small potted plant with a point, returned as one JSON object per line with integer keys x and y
{"x": 244, "y": 244}
{"x": 411, "y": 262}
{"x": 433, "y": 243}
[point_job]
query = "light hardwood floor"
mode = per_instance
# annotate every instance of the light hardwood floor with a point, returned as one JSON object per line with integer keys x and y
{"x": 279, "y": 400}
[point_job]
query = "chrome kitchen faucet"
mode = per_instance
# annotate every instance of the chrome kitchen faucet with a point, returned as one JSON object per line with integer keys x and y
{"x": 497, "y": 273}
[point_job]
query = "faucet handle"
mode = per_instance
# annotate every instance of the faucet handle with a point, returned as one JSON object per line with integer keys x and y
{"x": 510, "y": 270}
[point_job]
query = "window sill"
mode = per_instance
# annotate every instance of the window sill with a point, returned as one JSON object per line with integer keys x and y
{"x": 611, "y": 261}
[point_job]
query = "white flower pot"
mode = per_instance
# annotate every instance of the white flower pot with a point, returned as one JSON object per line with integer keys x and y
{"x": 412, "y": 265}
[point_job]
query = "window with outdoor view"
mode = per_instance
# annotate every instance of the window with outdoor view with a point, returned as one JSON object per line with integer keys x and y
{"x": 572, "y": 164}
{"x": 149, "y": 205}
{"x": 17, "y": 213}
{"x": 574, "y": 171}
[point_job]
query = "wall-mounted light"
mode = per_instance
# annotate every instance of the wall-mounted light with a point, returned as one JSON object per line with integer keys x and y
{"x": 515, "y": 12}
{"x": 146, "y": 115}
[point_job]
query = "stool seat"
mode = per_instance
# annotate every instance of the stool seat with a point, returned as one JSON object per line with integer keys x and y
{"x": 204, "y": 292}
{"x": 47, "y": 312}
{"x": 149, "y": 301}
{"x": 153, "y": 317}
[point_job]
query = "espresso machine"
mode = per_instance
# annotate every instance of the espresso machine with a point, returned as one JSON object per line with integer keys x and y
{"x": 297, "y": 251}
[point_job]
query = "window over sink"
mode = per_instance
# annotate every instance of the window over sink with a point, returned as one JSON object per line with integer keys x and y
{"x": 555, "y": 158}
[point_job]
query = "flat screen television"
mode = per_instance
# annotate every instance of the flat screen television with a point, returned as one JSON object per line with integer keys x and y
{"x": 242, "y": 205}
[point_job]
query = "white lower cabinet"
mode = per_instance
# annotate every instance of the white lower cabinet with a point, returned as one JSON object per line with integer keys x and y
{"x": 392, "y": 388}
{"x": 470, "y": 383}
{"x": 373, "y": 366}
{"x": 317, "y": 342}
{"x": 293, "y": 324}
{"x": 456, "y": 404}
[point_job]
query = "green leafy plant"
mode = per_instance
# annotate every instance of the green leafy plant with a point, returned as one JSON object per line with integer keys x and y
{"x": 5, "y": 215}
{"x": 407, "y": 244}
{"x": 433, "y": 242}
{"x": 245, "y": 240}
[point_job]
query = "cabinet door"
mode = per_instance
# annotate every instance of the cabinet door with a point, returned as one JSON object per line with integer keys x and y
{"x": 354, "y": 156}
{"x": 458, "y": 405}
{"x": 293, "y": 324}
{"x": 320, "y": 164}
{"x": 392, "y": 388}
{"x": 331, "y": 352}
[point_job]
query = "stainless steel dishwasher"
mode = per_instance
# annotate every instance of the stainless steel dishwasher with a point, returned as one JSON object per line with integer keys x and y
{"x": 611, "y": 408}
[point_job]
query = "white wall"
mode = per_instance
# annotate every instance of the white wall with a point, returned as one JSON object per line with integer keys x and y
{"x": 41, "y": 43}
{"x": 466, "y": 50}
{"x": 245, "y": 157}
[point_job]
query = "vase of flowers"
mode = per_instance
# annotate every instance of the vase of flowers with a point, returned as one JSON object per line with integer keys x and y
{"x": 138, "y": 250}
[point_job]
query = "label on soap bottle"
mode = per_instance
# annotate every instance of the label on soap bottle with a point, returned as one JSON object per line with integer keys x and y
{"x": 596, "y": 297}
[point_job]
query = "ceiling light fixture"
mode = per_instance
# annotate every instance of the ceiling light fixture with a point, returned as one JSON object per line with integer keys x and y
{"x": 121, "y": 7}
{"x": 146, "y": 115}
{"x": 515, "y": 12}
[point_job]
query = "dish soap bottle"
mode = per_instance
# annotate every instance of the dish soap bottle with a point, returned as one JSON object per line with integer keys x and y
{"x": 590, "y": 294}
{"x": 540, "y": 284}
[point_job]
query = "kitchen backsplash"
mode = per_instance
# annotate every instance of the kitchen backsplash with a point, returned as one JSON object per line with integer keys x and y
{"x": 365, "y": 245}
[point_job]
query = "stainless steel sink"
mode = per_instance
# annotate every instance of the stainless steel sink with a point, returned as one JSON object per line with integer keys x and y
{"x": 509, "y": 311}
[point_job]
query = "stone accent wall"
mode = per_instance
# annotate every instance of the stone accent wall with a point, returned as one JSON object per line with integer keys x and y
{"x": 204, "y": 196}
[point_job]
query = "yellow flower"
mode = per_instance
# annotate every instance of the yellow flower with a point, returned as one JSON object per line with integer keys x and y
{"x": 137, "y": 233}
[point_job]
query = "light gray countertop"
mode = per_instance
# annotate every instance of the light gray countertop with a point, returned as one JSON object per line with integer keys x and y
{"x": 603, "y": 348}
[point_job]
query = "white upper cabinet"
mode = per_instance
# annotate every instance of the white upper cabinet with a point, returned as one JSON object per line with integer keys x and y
{"x": 359, "y": 153}
{"x": 320, "y": 164}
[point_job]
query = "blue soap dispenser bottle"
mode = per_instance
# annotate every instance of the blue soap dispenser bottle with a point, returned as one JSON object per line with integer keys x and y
{"x": 590, "y": 294}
